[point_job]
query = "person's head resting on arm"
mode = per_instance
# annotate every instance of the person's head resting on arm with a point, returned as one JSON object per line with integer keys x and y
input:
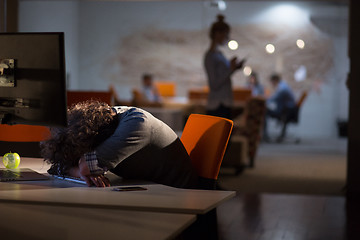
{"x": 89, "y": 124}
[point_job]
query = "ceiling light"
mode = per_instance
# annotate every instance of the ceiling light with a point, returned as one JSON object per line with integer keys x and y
{"x": 247, "y": 71}
{"x": 270, "y": 48}
{"x": 233, "y": 45}
{"x": 300, "y": 43}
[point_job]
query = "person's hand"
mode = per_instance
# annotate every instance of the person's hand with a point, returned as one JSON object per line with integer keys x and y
{"x": 241, "y": 63}
{"x": 99, "y": 180}
{"x": 235, "y": 65}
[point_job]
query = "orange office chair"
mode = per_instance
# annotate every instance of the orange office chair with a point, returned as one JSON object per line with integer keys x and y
{"x": 166, "y": 88}
{"x": 205, "y": 139}
{"x": 23, "y": 139}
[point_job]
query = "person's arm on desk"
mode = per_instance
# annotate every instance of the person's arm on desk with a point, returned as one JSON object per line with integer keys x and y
{"x": 82, "y": 171}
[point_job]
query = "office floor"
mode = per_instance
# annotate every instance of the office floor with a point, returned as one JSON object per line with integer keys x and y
{"x": 313, "y": 166}
{"x": 279, "y": 216}
{"x": 289, "y": 216}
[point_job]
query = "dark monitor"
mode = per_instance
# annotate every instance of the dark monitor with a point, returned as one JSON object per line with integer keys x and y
{"x": 32, "y": 79}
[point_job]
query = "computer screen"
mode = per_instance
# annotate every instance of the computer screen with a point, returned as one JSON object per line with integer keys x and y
{"x": 32, "y": 79}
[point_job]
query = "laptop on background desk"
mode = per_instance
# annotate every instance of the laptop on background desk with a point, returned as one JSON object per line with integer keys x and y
{"x": 20, "y": 174}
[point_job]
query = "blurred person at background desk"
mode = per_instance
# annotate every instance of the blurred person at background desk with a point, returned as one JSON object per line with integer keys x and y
{"x": 148, "y": 95}
{"x": 280, "y": 104}
{"x": 219, "y": 71}
{"x": 149, "y": 89}
{"x": 257, "y": 89}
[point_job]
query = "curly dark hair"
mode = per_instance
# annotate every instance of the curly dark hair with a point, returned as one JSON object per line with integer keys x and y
{"x": 89, "y": 124}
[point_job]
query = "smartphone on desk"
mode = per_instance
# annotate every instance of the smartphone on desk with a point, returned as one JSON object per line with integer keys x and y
{"x": 127, "y": 189}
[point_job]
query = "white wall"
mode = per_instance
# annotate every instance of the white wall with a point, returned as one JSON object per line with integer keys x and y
{"x": 94, "y": 31}
{"x": 55, "y": 16}
{"x": 100, "y": 37}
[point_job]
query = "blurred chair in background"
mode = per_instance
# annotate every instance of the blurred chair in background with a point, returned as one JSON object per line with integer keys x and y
{"x": 246, "y": 136}
{"x": 291, "y": 117}
{"x": 166, "y": 88}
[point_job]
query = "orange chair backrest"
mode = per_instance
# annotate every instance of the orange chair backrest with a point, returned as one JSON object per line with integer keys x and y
{"x": 166, "y": 89}
{"x": 80, "y": 96}
{"x": 205, "y": 139}
{"x": 23, "y": 133}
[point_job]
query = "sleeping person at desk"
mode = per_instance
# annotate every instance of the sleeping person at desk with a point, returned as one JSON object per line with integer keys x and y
{"x": 127, "y": 141}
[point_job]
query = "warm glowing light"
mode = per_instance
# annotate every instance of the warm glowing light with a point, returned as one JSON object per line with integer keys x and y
{"x": 233, "y": 45}
{"x": 270, "y": 48}
{"x": 247, "y": 71}
{"x": 300, "y": 43}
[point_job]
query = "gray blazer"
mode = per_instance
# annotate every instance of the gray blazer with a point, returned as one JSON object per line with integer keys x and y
{"x": 144, "y": 147}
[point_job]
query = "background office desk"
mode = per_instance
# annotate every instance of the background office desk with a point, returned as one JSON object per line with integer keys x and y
{"x": 26, "y": 221}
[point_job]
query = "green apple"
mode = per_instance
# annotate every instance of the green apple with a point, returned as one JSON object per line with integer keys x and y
{"x": 11, "y": 160}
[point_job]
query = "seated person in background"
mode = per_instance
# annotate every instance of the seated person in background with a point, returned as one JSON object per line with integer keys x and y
{"x": 127, "y": 141}
{"x": 281, "y": 103}
{"x": 149, "y": 90}
{"x": 254, "y": 84}
{"x": 148, "y": 95}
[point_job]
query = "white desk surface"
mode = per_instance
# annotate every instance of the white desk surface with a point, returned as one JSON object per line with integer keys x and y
{"x": 26, "y": 221}
{"x": 157, "y": 198}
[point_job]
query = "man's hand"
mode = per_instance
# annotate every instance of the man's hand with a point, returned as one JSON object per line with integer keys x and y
{"x": 91, "y": 179}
